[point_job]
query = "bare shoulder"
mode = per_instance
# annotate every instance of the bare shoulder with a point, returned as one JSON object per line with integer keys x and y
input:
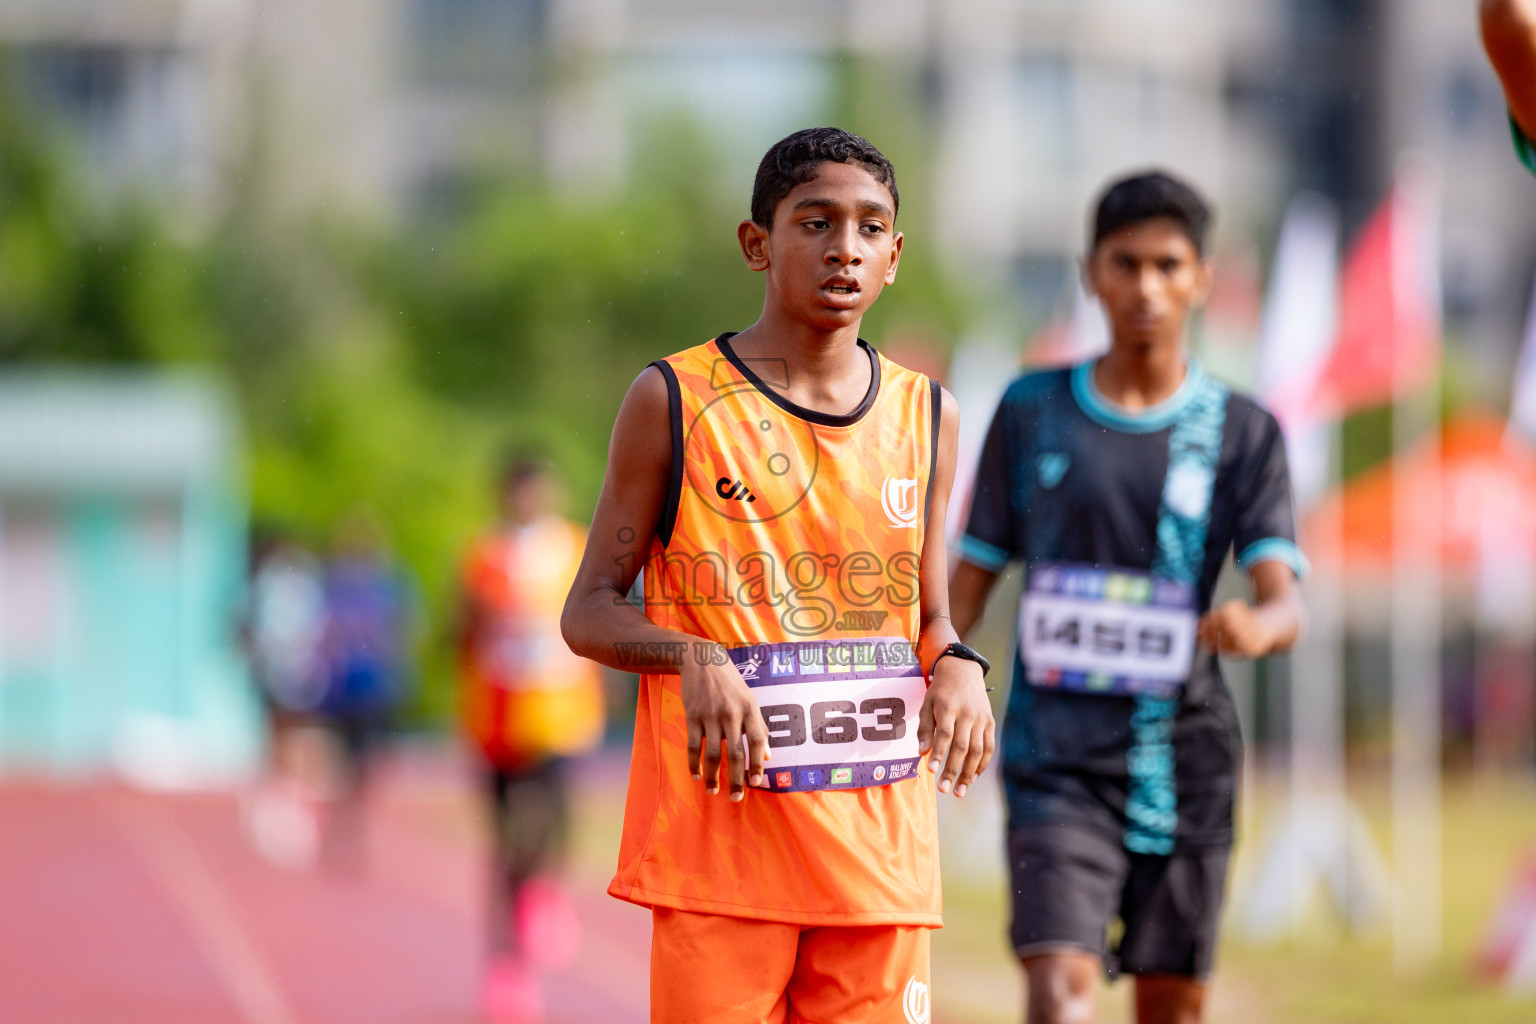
{"x": 949, "y": 423}
{"x": 948, "y": 406}
{"x": 642, "y": 429}
{"x": 647, "y": 395}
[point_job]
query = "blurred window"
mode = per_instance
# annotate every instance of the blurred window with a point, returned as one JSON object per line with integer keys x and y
{"x": 479, "y": 43}
{"x": 1042, "y": 283}
{"x": 1045, "y": 93}
{"x": 128, "y": 107}
{"x": 738, "y": 97}
{"x": 1472, "y": 104}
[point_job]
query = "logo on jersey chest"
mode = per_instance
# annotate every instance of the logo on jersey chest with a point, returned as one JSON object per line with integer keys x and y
{"x": 1052, "y": 466}
{"x": 733, "y": 490}
{"x": 898, "y": 496}
{"x": 914, "y": 1002}
{"x": 1187, "y": 491}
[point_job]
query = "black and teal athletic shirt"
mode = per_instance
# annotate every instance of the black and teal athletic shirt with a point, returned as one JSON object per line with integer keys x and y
{"x": 1068, "y": 477}
{"x": 1525, "y": 148}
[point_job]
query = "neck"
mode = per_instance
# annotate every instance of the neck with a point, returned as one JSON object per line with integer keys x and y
{"x": 1138, "y": 375}
{"x": 818, "y": 369}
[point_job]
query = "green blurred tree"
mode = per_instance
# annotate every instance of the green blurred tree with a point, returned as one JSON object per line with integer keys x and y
{"x": 391, "y": 365}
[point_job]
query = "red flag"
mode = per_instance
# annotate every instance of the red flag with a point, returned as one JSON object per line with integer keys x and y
{"x": 1389, "y": 306}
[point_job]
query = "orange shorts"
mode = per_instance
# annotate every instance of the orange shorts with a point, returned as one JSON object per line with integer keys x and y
{"x": 733, "y": 970}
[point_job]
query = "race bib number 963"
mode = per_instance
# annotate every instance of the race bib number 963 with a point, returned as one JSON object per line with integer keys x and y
{"x": 1114, "y": 631}
{"x": 841, "y": 714}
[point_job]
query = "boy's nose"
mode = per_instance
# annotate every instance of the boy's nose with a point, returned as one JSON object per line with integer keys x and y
{"x": 844, "y": 249}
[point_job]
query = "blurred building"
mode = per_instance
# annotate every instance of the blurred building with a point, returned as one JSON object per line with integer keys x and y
{"x": 149, "y": 93}
{"x": 122, "y": 557}
{"x": 1014, "y": 112}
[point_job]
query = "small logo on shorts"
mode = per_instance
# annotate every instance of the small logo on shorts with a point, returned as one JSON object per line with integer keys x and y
{"x": 879, "y": 773}
{"x": 914, "y": 1002}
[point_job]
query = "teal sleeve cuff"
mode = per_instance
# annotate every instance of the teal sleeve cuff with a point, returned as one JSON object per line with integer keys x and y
{"x": 1274, "y": 549}
{"x": 1525, "y": 148}
{"x": 980, "y": 553}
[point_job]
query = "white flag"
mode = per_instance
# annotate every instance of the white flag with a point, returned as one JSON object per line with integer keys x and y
{"x": 1296, "y": 337}
{"x": 1522, "y": 405}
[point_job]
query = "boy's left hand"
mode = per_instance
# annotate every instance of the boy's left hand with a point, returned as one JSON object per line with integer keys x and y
{"x": 955, "y": 730}
{"x": 1235, "y": 630}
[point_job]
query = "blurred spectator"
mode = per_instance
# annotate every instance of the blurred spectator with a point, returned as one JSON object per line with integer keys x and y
{"x": 284, "y": 630}
{"x": 528, "y": 704}
{"x": 285, "y": 627}
{"x": 368, "y": 611}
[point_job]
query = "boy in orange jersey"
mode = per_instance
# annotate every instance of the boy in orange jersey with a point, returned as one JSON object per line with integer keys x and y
{"x": 785, "y": 489}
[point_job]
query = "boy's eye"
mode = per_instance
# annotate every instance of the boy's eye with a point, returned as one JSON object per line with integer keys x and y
{"x": 1167, "y": 266}
{"x": 874, "y": 229}
{"x": 816, "y": 222}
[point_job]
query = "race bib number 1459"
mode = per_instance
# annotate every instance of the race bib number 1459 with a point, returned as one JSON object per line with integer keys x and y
{"x": 1114, "y": 631}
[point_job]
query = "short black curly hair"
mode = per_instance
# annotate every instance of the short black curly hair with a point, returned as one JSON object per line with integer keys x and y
{"x": 793, "y": 161}
{"x": 1148, "y": 196}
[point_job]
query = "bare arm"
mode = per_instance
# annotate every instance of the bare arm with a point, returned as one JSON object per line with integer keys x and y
{"x": 1270, "y": 625}
{"x": 969, "y": 586}
{"x": 956, "y": 719}
{"x": 1509, "y": 35}
{"x": 600, "y": 623}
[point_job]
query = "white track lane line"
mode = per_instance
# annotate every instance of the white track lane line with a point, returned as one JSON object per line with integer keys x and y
{"x": 205, "y": 909}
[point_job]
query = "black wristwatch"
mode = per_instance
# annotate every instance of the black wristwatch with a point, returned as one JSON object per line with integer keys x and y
{"x": 959, "y": 650}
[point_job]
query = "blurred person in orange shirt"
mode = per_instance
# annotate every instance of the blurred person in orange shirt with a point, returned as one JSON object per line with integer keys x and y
{"x": 1509, "y": 34}
{"x": 529, "y": 705}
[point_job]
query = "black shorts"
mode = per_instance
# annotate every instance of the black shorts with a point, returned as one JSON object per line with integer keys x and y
{"x": 531, "y": 813}
{"x": 1071, "y": 883}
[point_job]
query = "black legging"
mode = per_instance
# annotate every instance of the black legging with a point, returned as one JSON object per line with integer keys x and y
{"x": 532, "y": 824}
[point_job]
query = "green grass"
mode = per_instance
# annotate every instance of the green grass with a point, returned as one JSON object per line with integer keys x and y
{"x": 1323, "y": 977}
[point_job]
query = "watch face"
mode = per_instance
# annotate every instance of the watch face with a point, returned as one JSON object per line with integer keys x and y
{"x": 962, "y": 651}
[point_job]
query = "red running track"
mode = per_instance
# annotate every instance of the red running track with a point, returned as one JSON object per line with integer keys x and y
{"x": 120, "y": 907}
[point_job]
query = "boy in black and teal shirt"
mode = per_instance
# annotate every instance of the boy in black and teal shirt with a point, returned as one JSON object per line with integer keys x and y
{"x": 1122, "y": 484}
{"x": 1509, "y": 34}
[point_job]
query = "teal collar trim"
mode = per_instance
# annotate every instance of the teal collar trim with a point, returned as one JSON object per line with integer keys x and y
{"x": 1141, "y": 421}
{"x": 1525, "y": 147}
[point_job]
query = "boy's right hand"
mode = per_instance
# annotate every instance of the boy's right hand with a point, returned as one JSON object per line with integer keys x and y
{"x": 719, "y": 708}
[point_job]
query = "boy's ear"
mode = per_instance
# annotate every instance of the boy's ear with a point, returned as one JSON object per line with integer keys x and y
{"x": 890, "y": 271}
{"x": 754, "y": 244}
{"x": 1205, "y": 277}
{"x": 1085, "y": 272}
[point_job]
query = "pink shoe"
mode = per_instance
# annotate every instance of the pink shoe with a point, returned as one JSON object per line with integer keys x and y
{"x": 512, "y": 994}
{"x": 546, "y": 925}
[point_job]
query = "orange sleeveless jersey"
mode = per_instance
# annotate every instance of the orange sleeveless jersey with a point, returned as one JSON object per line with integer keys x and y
{"x": 526, "y": 697}
{"x": 783, "y": 524}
